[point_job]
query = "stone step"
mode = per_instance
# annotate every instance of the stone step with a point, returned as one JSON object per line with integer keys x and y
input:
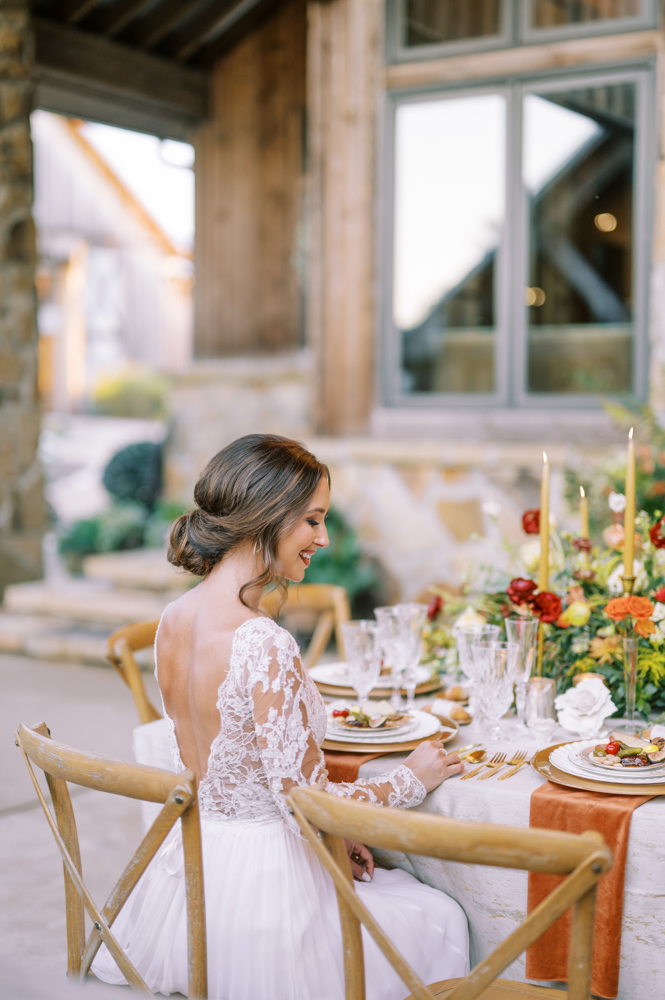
{"x": 137, "y": 569}
{"x": 60, "y": 640}
{"x": 94, "y": 601}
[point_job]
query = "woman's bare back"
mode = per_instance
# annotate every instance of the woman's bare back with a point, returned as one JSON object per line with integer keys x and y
{"x": 193, "y": 652}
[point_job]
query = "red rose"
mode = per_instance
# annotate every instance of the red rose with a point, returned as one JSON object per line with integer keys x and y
{"x": 434, "y": 607}
{"x": 656, "y": 535}
{"x": 582, "y": 544}
{"x": 547, "y": 606}
{"x": 660, "y": 595}
{"x": 521, "y": 591}
{"x": 531, "y": 521}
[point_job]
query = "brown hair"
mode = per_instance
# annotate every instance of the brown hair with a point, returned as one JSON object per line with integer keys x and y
{"x": 254, "y": 489}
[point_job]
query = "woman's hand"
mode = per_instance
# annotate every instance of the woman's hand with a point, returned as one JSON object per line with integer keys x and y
{"x": 362, "y": 862}
{"x": 432, "y": 765}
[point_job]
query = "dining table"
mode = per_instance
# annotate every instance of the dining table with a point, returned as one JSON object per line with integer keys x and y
{"x": 495, "y": 899}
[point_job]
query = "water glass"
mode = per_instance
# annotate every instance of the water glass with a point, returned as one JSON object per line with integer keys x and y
{"x": 494, "y": 668}
{"x": 524, "y": 632}
{"x": 465, "y": 636}
{"x": 363, "y": 656}
{"x": 540, "y": 717}
{"x": 412, "y": 618}
{"x": 400, "y": 636}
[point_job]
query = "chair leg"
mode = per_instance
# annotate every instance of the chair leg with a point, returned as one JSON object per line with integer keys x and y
{"x": 580, "y": 952}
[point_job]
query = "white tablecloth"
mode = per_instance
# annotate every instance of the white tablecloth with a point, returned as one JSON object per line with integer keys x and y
{"x": 494, "y": 899}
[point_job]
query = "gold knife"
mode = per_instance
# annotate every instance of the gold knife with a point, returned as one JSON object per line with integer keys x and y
{"x": 513, "y": 770}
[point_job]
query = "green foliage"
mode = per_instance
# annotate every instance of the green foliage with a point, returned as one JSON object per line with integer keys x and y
{"x": 135, "y": 393}
{"x": 135, "y": 474}
{"x": 342, "y": 562}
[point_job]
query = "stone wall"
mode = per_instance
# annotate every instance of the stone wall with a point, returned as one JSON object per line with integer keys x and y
{"x": 22, "y": 510}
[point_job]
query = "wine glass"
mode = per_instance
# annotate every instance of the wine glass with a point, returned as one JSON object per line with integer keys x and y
{"x": 392, "y": 644}
{"x": 523, "y": 631}
{"x": 363, "y": 656}
{"x": 465, "y": 636}
{"x": 494, "y": 665}
{"x": 411, "y": 618}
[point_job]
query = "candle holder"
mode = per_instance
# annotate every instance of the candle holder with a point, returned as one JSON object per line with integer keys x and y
{"x": 628, "y": 584}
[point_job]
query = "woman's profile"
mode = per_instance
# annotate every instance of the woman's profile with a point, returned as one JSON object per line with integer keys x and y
{"x": 248, "y": 720}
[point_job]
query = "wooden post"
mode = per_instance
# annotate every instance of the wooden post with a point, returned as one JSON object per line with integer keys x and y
{"x": 345, "y": 63}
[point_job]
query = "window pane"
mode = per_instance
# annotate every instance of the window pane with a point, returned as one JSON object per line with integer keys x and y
{"x": 432, "y": 22}
{"x": 556, "y": 13}
{"x": 578, "y": 170}
{"x": 449, "y": 210}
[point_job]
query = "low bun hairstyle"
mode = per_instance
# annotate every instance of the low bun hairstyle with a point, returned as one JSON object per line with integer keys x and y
{"x": 255, "y": 490}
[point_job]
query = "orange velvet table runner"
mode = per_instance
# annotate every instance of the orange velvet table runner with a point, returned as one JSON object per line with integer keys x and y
{"x": 554, "y": 807}
{"x": 345, "y": 766}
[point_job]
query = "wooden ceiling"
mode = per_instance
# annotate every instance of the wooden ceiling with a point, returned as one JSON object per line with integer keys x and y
{"x": 140, "y": 64}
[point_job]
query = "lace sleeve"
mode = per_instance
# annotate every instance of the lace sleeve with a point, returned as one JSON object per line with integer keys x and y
{"x": 283, "y": 705}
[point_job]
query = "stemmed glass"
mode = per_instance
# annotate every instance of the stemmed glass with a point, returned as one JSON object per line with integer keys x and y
{"x": 524, "y": 632}
{"x": 494, "y": 664}
{"x": 412, "y": 618}
{"x": 363, "y": 656}
{"x": 400, "y": 628}
{"x": 465, "y": 636}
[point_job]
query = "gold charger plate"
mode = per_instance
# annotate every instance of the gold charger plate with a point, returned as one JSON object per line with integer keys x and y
{"x": 339, "y": 691}
{"x": 540, "y": 762}
{"x": 344, "y": 747}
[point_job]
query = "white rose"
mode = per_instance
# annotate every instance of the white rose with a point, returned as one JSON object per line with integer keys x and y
{"x": 658, "y": 612}
{"x": 491, "y": 508}
{"x": 617, "y": 502}
{"x": 583, "y": 709}
{"x": 615, "y": 584}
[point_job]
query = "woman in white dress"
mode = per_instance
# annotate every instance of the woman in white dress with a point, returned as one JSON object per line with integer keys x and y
{"x": 247, "y": 719}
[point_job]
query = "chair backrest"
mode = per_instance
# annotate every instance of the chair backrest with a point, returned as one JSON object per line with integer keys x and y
{"x": 177, "y": 792}
{"x": 582, "y": 858}
{"x": 122, "y": 644}
{"x": 328, "y": 601}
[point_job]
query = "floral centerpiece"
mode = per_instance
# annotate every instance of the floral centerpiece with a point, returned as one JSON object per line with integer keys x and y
{"x": 584, "y": 615}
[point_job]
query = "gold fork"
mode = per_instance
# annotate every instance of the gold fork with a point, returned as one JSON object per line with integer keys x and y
{"x": 496, "y": 761}
{"x": 519, "y": 759}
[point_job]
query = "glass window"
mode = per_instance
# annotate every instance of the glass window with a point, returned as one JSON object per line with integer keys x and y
{"x": 449, "y": 213}
{"x": 559, "y": 13}
{"x": 436, "y": 22}
{"x": 578, "y": 171}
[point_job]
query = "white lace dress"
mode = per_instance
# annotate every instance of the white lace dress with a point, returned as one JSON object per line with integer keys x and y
{"x": 271, "y": 911}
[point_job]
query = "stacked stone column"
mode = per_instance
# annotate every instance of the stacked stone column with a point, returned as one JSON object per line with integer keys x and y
{"x": 22, "y": 509}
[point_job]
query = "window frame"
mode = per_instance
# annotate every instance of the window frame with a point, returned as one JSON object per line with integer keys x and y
{"x": 515, "y": 30}
{"x": 511, "y": 339}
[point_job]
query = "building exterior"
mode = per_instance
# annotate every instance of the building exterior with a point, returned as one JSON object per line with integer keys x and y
{"x": 430, "y": 233}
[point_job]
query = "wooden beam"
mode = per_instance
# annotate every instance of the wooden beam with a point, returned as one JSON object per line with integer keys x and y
{"x": 525, "y": 59}
{"x": 238, "y": 26}
{"x": 74, "y": 11}
{"x": 111, "y": 23}
{"x": 70, "y": 57}
{"x": 157, "y": 26}
{"x": 209, "y": 24}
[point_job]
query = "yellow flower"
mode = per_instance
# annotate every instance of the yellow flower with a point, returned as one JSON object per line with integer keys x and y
{"x": 604, "y": 650}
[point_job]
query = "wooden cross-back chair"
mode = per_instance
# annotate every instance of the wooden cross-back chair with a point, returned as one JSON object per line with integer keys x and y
{"x": 177, "y": 792}
{"x": 584, "y": 859}
{"x": 122, "y": 644}
{"x": 328, "y": 601}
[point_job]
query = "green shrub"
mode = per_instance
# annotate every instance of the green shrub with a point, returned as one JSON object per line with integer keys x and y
{"x": 159, "y": 523}
{"x": 122, "y": 526}
{"x": 134, "y": 474}
{"x": 132, "y": 394}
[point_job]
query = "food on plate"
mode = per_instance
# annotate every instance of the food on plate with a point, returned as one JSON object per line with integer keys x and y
{"x": 370, "y": 715}
{"x": 456, "y": 693}
{"x": 446, "y": 709}
{"x": 458, "y": 714}
{"x": 630, "y": 751}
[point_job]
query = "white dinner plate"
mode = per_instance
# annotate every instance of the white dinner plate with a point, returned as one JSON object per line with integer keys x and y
{"x": 566, "y": 759}
{"x": 426, "y": 725}
{"x": 337, "y": 675}
{"x": 578, "y": 759}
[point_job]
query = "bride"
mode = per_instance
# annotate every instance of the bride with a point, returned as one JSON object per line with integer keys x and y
{"x": 247, "y": 719}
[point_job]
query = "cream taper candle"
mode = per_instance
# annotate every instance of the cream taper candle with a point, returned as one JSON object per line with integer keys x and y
{"x": 629, "y": 517}
{"x": 544, "y": 568}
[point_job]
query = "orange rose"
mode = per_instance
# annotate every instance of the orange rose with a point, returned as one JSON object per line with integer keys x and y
{"x": 618, "y": 608}
{"x": 640, "y": 607}
{"x": 645, "y": 627}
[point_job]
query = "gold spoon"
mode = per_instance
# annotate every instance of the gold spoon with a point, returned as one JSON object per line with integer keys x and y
{"x": 475, "y": 757}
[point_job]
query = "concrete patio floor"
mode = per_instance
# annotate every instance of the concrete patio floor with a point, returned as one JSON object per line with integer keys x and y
{"x": 89, "y": 708}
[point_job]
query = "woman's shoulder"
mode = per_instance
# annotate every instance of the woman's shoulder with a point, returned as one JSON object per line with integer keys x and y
{"x": 260, "y": 640}
{"x": 264, "y": 628}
